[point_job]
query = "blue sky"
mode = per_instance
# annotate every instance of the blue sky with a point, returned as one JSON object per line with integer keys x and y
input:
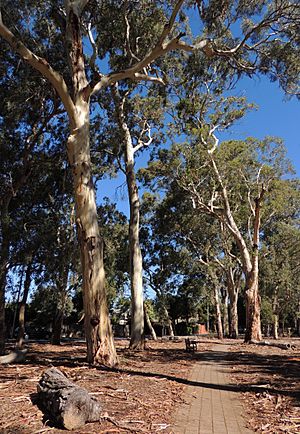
{"x": 276, "y": 116}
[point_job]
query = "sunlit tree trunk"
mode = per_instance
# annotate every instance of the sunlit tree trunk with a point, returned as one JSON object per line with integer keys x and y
{"x": 250, "y": 262}
{"x": 253, "y": 324}
{"x": 225, "y": 316}
{"x": 233, "y": 291}
{"x": 149, "y": 324}
{"x": 218, "y": 312}
{"x": 135, "y": 255}
{"x": 136, "y": 263}
{"x": 98, "y": 331}
{"x": 275, "y": 315}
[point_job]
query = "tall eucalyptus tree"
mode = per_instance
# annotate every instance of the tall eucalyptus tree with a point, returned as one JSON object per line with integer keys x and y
{"x": 52, "y": 38}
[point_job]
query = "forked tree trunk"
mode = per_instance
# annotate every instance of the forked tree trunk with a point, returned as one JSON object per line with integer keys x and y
{"x": 23, "y": 302}
{"x": 250, "y": 262}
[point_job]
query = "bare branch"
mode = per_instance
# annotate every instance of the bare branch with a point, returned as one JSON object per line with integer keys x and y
{"x": 146, "y": 129}
{"x": 41, "y": 65}
{"x": 94, "y": 47}
{"x": 161, "y": 48}
{"x": 128, "y": 46}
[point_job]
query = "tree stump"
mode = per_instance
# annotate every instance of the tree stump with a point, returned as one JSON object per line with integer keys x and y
{"x": 69, "y": 405}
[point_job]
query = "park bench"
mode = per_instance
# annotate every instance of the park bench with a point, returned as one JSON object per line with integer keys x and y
{"x": 190, "y": 345}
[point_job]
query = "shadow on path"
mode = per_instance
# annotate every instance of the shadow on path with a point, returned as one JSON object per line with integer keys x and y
{"x": 280, "y": 365}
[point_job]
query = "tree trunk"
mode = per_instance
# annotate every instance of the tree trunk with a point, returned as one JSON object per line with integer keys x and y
{"x": 149, "y": 324}
{"x": 2, "y": 306}
{"x": 233, "y": 292}
{"x": 98, "y": 331}
{"x": 135, "y": 255}
{"x": 233, "y": 321}
{"x": 275, "y": 314}
{"x": 136, "y": 263}
{"x": 218, "y": 313}
{"x": 57, "y": 324}
{"x": 275, "y": 326}
{"x": 70, "y": 405}
{"x": 169, "y": 322}
{"x": 4, "y": 259}
{"x": 58, "y": 318}
{"x": 253, "y": 325}
{"x": 23, "y": 305}
{"x": 226, "y": 316}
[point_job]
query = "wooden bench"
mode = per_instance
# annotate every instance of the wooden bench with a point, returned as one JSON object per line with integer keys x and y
{"x": 190, "y": 345}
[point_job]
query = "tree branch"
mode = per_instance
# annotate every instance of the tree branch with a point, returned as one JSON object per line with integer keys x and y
{"x": 41, "y": 65}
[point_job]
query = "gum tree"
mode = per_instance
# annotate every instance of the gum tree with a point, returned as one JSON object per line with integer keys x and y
{"x": 50, "y": 38}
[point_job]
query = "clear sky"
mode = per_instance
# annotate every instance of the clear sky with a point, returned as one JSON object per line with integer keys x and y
{"x": 275, "y": 116}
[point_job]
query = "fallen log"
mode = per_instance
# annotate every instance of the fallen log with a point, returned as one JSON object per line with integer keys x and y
{"x": 283, "y": 346}
{"x": 15, "y": 356}
{"x": 67, "y": 403}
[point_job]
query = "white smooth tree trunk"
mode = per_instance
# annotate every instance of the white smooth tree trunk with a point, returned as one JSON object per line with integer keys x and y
{"x": 226, "y": 316}
{"x": 218, "y": 312}
{"x": 249, "y": 261}
{"x": 135, "y": 254}
{"x": 275, "y": 315}
{"x": 136, "y": 262}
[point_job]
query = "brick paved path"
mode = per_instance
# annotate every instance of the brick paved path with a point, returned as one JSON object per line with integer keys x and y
{"x": 211, "y": 404}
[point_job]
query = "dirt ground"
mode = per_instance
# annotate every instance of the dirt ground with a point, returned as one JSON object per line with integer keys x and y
{"x": 270, "y": 380}
{"x": 142, "y": 395}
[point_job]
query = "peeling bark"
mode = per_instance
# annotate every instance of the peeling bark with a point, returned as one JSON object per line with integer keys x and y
{"x": 98, "y": 331}
{"x": 253, "y": 324}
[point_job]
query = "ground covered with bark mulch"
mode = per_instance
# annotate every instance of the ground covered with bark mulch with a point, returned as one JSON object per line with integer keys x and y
{"x": 141, "y": 396}
{"x": 270, "y": 378}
